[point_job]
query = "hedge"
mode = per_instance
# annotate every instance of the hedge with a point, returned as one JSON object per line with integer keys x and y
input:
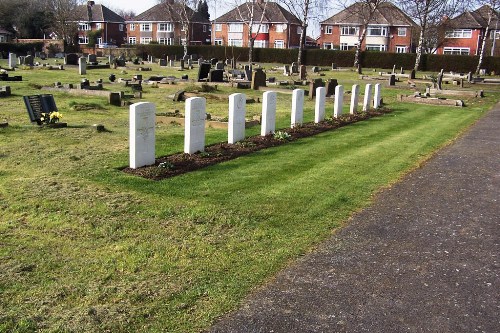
{"x": 20, "y": 48}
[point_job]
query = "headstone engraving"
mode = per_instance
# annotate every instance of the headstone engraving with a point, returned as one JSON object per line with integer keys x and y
{"x": 377, "y": 96}
{"x": 367, "y": 98}
{"x": 339, "y": 101}
{"x": 268, "y": 113}
{"x": 297, "y": 107}
{"x": 319, "y": 108}
{"x": 354, "y": 99}
{"x": 236, "y": 123}
{"x": 194, "y": 134}
{"x": 142, "y": 134}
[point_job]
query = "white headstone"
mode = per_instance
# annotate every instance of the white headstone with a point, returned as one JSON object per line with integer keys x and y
{"x": 297, "y": 107}
{"x": 142, "y": 134}
{"x": 236, "y": 123}
{"x": 319, "y": 109}
{"x": 12, "y": 60}
{"x": 377, "y": 96}
{"x": 194, "y": 133}
{"x": 368, "y": 97}
{"x": 268, "y": 113}
{"x": 354, "y": 99}
{"x": 339, "y": 101}
{"x": 82, "y": 66}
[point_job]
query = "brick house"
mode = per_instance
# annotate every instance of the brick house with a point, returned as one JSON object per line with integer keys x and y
{"x": 389, "y": 30}
{"x": 464, "y": 33}
{"x": 279, "y": 29}
{"x": 92, "y": 17}
{"x": 5, "y": 36}
{"x": 164, "y": 23}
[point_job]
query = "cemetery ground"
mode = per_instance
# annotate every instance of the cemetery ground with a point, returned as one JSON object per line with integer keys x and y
{"x": 86, "y": 247}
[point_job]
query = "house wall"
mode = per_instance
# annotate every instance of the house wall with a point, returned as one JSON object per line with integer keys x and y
{"x": 197, "y": 36}
{"x": 110, "y": 32}
{"x": 472, "y": 43}
{"x": 289, "y": 36}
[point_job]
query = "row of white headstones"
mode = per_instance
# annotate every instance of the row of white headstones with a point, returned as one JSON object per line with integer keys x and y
{"x": 143, "y": 119}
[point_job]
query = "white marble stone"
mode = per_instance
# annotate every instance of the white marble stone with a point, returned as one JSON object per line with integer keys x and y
{"x": 377, "y": 96}
{"x": 339, "y": 101}
{"x": 319, "y": 108}
{"x": 354, "y": 99}
{"x": 268, "y": 113}
{"x": 142, "y": 134}
{"x": 367, "y": 98}
{"x": 12, "y": 60}
{"x": 297, "y": 107}
{"x": 82, "y": 66}
{"x": 194, "y": 132}
{"x": 236, "y": 123}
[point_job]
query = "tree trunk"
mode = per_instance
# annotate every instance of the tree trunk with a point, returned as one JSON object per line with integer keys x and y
{"x": 187, "y": 40}
{"x": 302, "y": 44}
{"x": 250, "y": 52}
{"x": 419, "y": 49}
{"x": 483, "y": 46}
{"x": 357, "y": 54}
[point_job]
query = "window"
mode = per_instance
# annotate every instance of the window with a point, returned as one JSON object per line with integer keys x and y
{"x": 401, "y": 49}
{"x": 346, "y": 47}
{"x": 99, "y": 40}
{"x": 204, "y": 28}
{"x": 349, "y": 31}
{"x": 459, "y": 33}
{"x": 328, "y": 30}
{"x": 279, "y": 44}
{"x": 98, "y": 26}
{"x": 264, "y": 28}
{"x": 218, "y": 41}
{"x": 83, "y": 40}
{"x": 235, "y": 42}
{"x": 280, "y": 27}
{"x": 146, "y": 40}
{"x": 120, "y": 27}
{"x": 132, "y": 40}
{"x": 145, "y": 26}
{"x": 260, "y": 43}
{"x": 165, "y": 41}
{"x": 132, "y": 26}
{"x": 495, "y": 33}
{"x": 328, "y": 46}
{"x": 456, "y": 50}
{"x": 83, "y": 26}
{"x": 375, "y": 47}
{"x": 235, "y": 27}
{"x": 377, "y": 31}
{"x": 218, "y": 27}
{"x": 402, "y": 32}
{"x": 299, "y": 30}
{"x": 168, "y": 27}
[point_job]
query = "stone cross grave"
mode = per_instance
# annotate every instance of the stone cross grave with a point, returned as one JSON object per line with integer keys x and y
{"x": 319, "y": 108}
{"x": 367, "y": 97}
{"x": 268, "y": 113}
{"x": 354, "y": 99}
{"x": 194, "y": 133}
{"x": 236, "y": 122}
{"x": 297, "y": 107}
{"x": 339, "y": 101}
{"x": 82, "y": 66}
{"x": 377, "y": 96}
{"x": 142, "y": 134}
{"x": 12, "y": 60}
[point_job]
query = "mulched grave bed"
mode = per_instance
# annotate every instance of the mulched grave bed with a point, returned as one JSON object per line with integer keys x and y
{"x": 177, "y": 164}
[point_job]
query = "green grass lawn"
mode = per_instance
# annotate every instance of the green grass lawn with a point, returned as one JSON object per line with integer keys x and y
{"x": 87, "y": 248}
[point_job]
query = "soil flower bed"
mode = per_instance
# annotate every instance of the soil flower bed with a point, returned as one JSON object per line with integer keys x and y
{"x": 177, "y": 164}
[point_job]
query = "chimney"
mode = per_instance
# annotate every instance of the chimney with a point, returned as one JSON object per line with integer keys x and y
{"x": 260, "y": 2}
{"x": 89, "y": 9}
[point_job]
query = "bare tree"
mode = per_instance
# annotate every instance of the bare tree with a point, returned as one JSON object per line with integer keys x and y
{"x": 489, "y": 12}
{"x": 65, "y": 17}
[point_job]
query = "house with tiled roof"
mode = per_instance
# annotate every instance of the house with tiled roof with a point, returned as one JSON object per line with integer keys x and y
{"x": 5, "y": 36}
{"x": 95, "y": 17}
{"x": 389, "y": 29}
{"x": 279, "y": 28}
{"x": 167, "y": 23}
{"x": 463, "y": 34}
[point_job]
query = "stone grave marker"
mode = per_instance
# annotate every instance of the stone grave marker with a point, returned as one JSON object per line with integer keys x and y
{"x": 12, "y": 60}
{"x": 194, "y": 133}
{"x": 182, "y": 64}
{"x": 38, "y": 104}
{"x": 339, "y": 101}
{"x": 354, "y": 99}
{"x": 29, "y": 60}
{"x": 171, "y": 63}
{"x": 236, "y": 122}
{"x": 219, "y": 65}
{"x": 319, "y": 108}
{"x": 162, "y": 62}
{"x": 216, "y": 75}
{"x": 330, "y": 87}
{"x": 402, "y": 71}
{"x": 297, "y": 107}
{"x": 315, "y": 69}
{"x": 214, "y": 61}
{"x": 92, "y": 59}
{"x": 470, "y": 78}
{"x": 439, "y": 83}
{"x": 142, "y": 134}
{"x": 392, "y": 80}
{"x": 203, "y": 71}
{"x": 313, "y": 85}
{"x": 413, "y": 74}
{"x": 286, "y": 70}
{"x": 334, "y": 66}
{"x": 82, "y": 66}
{"x": 302, "y": 72}
{"x": 20, "y": 60}
{"x": 367, "y": 98}
{"x": 394, "y": 69}
{"x": 295, "y": 68}
{"x": 258, "y": 79}
{"x": 71, "y": 59}
{"x": 377, "y": 96}
{"x": 268, "y": 113}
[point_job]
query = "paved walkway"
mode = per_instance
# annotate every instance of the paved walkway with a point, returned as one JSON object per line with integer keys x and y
{"x": 423, "y": 258}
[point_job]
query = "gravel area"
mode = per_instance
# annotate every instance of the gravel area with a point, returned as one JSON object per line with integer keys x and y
{"x": 423, "y": 258}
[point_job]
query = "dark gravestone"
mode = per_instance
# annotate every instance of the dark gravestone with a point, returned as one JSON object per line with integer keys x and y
{"x": 248, "y": 74}
{"x": 302, "y": 72}
{"x": 315, "y": 69}
{"x": 179, "y": 96}
{"x": 334, "y": 66}
{"x": 115, "y": 99}
{"x": 182, "y": 64}
{"x": 112, "y": 77}
{"x": 330, "y": 87}
{"x": 214, "y": 61}
{"x": 392, "y": 80}
{"x": 412, "y": 74}
{"x": 185, "y": 77}
{"x": 120, "y": 62}
{"x": 203, "y": 71}
{"x": 162, "y": 62}
{"x": 286, "y": 70}
{"x": 194, "y": 57}
{"x": 38, "y": 104}
{"x": 439, "y": 85}
{"x": 258, "y": 79}
{"x": 295, "y": 68}
{"x": 470, "y": 78}
{"x": 402, "y": 71}
{"x": 28, "y": 61}
{"x": 71, "y": 59}
{"x": 92, "y": 59}
{"x": 216, "y": 75}
{"x": 43, "y": 56}
{"x": 313, "y": 85}
{"x": 219, "y": 65}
